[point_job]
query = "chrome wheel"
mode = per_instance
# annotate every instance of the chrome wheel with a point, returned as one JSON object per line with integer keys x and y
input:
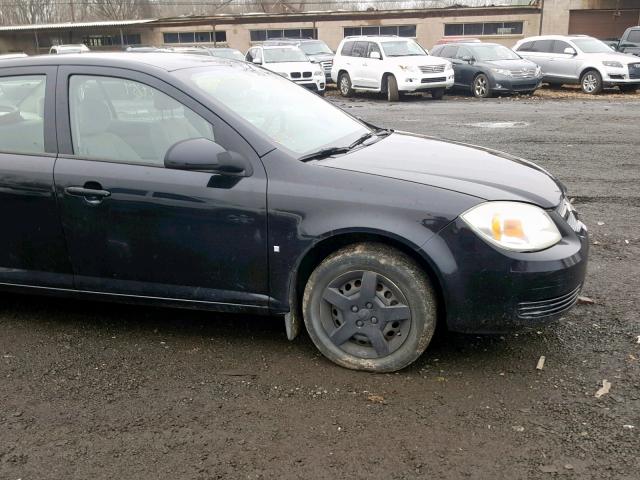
{"x": 344, "y": 84}
{"x": 589, "y": 83}
{"x": 365, "y": 314}
{"x": 481, "y": 86}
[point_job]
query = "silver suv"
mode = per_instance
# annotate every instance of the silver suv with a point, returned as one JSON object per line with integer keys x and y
{"x": 581, "y": 59}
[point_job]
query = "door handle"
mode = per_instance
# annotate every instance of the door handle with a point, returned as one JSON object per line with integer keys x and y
{"x": 93, "y": 196}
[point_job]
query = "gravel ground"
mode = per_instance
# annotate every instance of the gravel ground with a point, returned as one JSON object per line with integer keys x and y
{"x": 101, "y": 391}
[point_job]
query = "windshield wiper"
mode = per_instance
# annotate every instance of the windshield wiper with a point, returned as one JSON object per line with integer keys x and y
{"x": 376, "y": 133}
{"x": 323, "y": 153}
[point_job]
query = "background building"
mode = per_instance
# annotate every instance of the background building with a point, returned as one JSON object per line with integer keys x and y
{"x": 503, "y": 24}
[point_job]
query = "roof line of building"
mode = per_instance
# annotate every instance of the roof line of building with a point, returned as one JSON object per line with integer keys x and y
{"x": 261, "y": 17}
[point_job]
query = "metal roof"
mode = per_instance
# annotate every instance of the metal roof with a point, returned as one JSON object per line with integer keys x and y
{"x": 74, "y": 25}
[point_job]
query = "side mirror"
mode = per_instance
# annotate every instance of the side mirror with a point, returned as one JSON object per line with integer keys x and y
{"x": 257, "y": 61}
{"x": 569, "y": 51}
{"x": 202, "y": 154}
{"x": 375, "y": 55}
{"x": 468, "y": 59}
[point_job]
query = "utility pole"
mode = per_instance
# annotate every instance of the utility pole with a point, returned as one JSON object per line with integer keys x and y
{"x": 541, "y": 16}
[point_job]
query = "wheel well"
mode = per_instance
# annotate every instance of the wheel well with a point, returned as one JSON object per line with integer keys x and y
{"x": 340, "y": 72}
{"x": 586, "y": 69}
{"x": 326, "y": 247}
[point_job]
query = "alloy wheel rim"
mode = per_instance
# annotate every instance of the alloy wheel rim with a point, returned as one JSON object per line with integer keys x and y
{"x": 365, "y": 314}
{"x": 589, "y": 83}
{"x": 344, "y": 88}
{"x": 481, "y": 87}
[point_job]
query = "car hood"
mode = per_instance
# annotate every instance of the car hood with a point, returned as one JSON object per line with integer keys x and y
{"x": 286, "y": 67}
{"x": 416, "y": 60}
{"x": 321, "y": 57}
{"x": 510, "y": 64}
{"x": 623, "y": 58}
{"x": 476, "y": 171}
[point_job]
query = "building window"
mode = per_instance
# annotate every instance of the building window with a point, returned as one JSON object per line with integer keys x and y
{"x": 194, "y": 37}
{"x": 110, "y": 40}
{"x": 262, "y": 35}
{"x": 399, "y": 30}
{"x": 482, "y": 29}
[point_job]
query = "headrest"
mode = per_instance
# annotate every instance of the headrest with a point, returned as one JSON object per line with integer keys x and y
{"x": 94, "y": 116}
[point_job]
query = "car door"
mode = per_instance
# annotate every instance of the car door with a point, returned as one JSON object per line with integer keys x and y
{"x": 466, "y": 68}
{"x": 357, "y": 61}
{"x": 134, "y": 227}
{"x": 540, "y": 53}
{"x": 371, "y": 73}
{"x": 563, "y": 65}
{"x": 32, "y": 245}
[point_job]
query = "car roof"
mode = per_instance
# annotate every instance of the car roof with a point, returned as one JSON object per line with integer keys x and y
{"x": 375, "y": 38}
{"x": 136, "y": 61}
{"x": 274, "y": 47}
{"x": 553, "y": 37}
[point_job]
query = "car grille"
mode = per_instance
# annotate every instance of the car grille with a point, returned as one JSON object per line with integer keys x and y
{"x": 326, "y": 65}
{"x": 433, "y": 80}
{"x": 634, "y": 70}
{"x": 551, "y": 306}
{"x": 524, "y": 86}
{"x": 523, "y": 73}
{"x": 297, "y": 75}
{"x": 566, "y": 211}
{"x": 432, "y": 68}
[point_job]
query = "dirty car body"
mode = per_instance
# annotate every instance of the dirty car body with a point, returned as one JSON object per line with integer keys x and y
{"x": 160, "y": 179}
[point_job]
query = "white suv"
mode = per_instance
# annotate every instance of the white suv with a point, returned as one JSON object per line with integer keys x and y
{"x": 291, "y": 63}
{"x": 581, "y": 59}
{"x": 392, "y": 65}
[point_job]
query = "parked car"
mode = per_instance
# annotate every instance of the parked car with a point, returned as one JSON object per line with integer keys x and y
{"x": 72, "y": 48}
{"x": 291, "y": 63}
{"x": 389, "y": 64}
{"x": 167, "y": 179}
{"x": 583, "y": 60}
{"x": 629, "y": 42}
{"x": 486, "y": 69}
{"x": 445, "y": 40}
{"x": 8, "y": 56}
{"x": 317, "y": 51}
{"x": 139, "y": 48}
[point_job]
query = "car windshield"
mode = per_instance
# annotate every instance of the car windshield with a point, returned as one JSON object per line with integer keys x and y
{"x": 232, "y": 54}
{"x": 284, "y": 54}
{"x": 315, "y": 48}
{"x": 290, "y": 115}
{"x": 591, "y": 45}
{"x": 488, "y": 53}
{"x": 402, "y": 48}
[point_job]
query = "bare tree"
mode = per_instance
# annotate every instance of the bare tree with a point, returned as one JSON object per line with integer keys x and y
{"x": 121, "y": 9}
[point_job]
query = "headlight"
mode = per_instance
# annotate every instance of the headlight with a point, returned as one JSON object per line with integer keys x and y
{"x": 612, "y": 64}
{"x": 448, "y": 66}
{"x": 502, "y": 71}
{"x": 318, "y": 73}
{"x": 520, "y": 227}
{"x": 409, "y": 68}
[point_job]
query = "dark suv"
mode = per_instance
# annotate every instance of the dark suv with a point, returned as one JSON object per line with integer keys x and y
{"x": 317, "y": 51}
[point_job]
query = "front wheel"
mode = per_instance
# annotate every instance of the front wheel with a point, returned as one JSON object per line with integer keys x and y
{"x": 370, "y": 307}
{"x": 437, "y": 94}
{"x": 591, "y": 82}
{"x": 393, "y": 95}
{"x": 480, "y": 88}
{"x": 344, "y": 85}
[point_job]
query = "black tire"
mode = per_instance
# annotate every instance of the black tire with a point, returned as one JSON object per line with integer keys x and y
{"x": 480, "y": 87}
{"x": 393, "y": 95}
{"x": 591, "y": 82}
{"x": 437, "y": 94}
{"x": 386, "y": 330}
{"x": 344, "y": 85}
{"x": 628, "y": 88}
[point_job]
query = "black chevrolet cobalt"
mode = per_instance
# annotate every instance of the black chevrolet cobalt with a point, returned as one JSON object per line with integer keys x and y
{"x": 214, "y": 184}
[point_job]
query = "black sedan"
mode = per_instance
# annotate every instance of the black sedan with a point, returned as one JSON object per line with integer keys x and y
{"x": 214, "y": 184}
{"x": 486, "y": 69}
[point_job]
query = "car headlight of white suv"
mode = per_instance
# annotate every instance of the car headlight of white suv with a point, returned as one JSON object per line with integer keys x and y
{"x": 318, "y": 73}
{"x": 515, "y": 226}
{"x": 409, "y": 68}
{"x": 611, "y": 64}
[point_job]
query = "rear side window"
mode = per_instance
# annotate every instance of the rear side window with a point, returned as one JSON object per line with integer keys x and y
{"x": 22, "y": 114}
{"x": 124, "y": 121}
{"x": 347, "y": 49}
{"x": 359, "y": 49}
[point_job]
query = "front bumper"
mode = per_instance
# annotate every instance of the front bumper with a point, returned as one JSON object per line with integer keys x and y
{"x": 317, "y": 85}
{"x": 487, "y": 290}
{"x": 509, "y": 85}
{"x": 416, "y": 82}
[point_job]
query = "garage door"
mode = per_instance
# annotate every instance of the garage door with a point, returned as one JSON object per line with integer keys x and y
{"x": 602, "y": 23}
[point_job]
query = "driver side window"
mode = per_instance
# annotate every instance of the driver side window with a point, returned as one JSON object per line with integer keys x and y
{"x": 124, "y": 121}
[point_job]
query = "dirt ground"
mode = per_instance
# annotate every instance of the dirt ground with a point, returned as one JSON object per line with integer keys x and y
{"x": 98, "y": 391}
